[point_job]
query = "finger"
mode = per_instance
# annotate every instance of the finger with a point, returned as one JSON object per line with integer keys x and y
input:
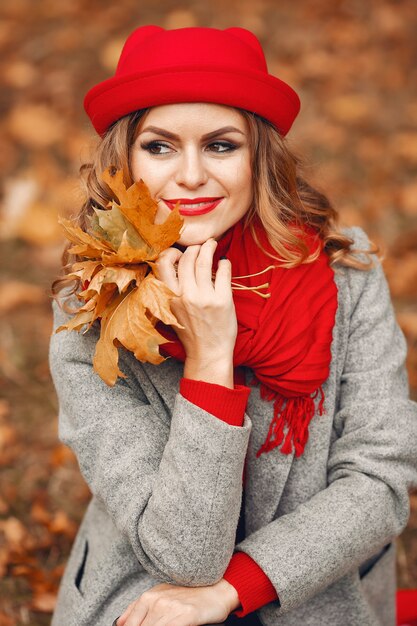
{"x": 168, "y": 620}
{"x": 186, "y": 268}
{"x": 223, "y": 278}
{"x": 137, "y": 615}
{"x": 204, "y": 265}
{"x": 171, "y": 620}
{"x": 121, "y": 621}
{"x": 166, "y": 268}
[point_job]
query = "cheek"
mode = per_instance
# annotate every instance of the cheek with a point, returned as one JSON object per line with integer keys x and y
{"x": 145, "y": 169}
{"x": 137, "y": 167}
{"x": 243, "y": 181}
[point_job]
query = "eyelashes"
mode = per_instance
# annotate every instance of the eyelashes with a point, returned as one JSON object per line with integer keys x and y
{"x": 159, "y": 147}
{"x": 155, "y": 147}
{"x": 226, "y": 146}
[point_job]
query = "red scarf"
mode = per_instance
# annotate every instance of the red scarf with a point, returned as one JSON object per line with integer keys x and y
{"x": 284, "y": 339}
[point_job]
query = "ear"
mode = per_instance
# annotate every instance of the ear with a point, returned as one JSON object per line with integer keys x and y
{"x": 247, "y": 37}
{"x": 136, "y": 38}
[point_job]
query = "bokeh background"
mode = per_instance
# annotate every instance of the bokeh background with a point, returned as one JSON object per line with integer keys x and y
{"x": 354, "y": 65}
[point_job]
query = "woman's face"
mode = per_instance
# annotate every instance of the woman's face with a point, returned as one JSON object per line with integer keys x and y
{"x": 197, "y": 154}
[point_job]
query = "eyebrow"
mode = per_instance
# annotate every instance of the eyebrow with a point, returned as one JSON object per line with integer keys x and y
{"x": 212, "y": 135}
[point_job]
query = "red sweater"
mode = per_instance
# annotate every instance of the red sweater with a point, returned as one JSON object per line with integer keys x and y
{"x": 251, "y": 583}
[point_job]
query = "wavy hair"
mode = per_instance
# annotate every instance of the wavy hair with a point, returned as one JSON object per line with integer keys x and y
{"x": 283, "y": 200}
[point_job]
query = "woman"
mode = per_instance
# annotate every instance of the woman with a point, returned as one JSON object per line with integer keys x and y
{"x": 299, "y": 383}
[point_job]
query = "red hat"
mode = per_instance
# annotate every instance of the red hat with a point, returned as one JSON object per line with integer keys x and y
{"x": 159, "y": 66}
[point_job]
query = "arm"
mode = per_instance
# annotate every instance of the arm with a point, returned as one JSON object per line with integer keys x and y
{"x": 372, "y": 464}
{"x": 173, "y": 487}
{"x": 253, "y": 587}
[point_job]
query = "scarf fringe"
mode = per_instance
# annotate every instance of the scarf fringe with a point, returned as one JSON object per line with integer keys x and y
{"x": 295, "y": 417}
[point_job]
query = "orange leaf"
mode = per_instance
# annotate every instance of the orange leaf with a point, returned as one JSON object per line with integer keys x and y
{"x": 157, "y": 236}
{"x": 43, "y": 602}
{"x": 7, "y": 620}
{"x": 128, "y": 325}
{"x": 94, "y": 246}
{"x": 155, "y": 297}
{"x": 120, "y": 276}
{"x": 78, "y": 321}
{"x": 62, "y": 525}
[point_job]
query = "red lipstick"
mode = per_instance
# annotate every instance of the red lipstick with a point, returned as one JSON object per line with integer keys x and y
{"x": 193, "y": 206}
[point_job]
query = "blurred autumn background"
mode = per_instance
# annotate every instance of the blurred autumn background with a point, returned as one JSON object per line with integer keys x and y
{"x": 354, "y": 65}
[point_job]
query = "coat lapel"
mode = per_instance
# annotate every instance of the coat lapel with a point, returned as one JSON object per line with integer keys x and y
{"x": 266, "y": 475}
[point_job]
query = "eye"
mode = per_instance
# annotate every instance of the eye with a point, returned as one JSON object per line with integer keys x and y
{"x": 222, "y": 146}
{"x": 155, "y": 147}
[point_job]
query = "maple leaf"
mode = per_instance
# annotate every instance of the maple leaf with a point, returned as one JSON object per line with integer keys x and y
{"x": 78, "y": 321}
{"x": 118, "y": 274}
{"x": 88, "y": 246}
{"x": 116, "y": 227}
{"x": 127, "y": 254}
{"x": 157, "y": 236}
{"x": 154, "y": 295}
{"x": 85, "y": 269}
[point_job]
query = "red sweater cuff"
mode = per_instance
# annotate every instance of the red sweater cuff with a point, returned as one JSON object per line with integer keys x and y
{"x": 227, "y": 404}
{"x": 251, "y": 583}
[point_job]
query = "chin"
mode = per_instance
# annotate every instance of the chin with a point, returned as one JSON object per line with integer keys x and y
{"x": 184, "y": 243}
{"x": 193, "y": 240}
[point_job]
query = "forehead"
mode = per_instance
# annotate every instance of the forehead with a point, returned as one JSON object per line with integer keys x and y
{"x": 193, "y": 116}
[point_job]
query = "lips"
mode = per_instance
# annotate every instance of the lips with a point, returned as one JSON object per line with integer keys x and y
{"x": 193, "y": 206}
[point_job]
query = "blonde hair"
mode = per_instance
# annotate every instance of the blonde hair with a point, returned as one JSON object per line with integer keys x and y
{"x": 283, "y": 200}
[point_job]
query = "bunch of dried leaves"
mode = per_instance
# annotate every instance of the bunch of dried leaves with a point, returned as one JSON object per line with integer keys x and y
{"x": 120, "y": 285}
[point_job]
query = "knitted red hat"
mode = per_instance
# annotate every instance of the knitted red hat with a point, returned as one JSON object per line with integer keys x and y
{"x": 159, "y": 66}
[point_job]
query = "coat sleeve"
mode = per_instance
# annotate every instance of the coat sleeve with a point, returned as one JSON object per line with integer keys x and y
{"x": 172, "y": 486}
{"x": 372, "y": 463}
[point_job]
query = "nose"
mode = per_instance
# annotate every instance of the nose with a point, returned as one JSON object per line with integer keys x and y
{"x": 191, "y": 170}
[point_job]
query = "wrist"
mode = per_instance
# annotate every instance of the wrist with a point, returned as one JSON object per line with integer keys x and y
{"x": 219, "y": 371}
{"x": 229, "y": 595}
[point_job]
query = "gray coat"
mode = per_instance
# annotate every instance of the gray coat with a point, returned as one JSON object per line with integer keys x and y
{"x": 166, "y": 477}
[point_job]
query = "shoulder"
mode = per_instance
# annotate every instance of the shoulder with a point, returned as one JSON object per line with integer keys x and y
{"x": 354, "y": 283}
{"x": 66, "y": 345}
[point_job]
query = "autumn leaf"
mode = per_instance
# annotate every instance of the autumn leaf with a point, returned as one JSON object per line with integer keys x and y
{"x": 120, "y": 276}
{"x": 43, "y": 602}
{"x": 87, "y": 245}
{"x": 115, "y": 226}
{"x": 154, "y": 295}
{"x": 157, "y": 236}
{"x": 127, "y": 254}
{"x": 78, "y": 321}
{"x": 126, "y": 323}
{"x": 85, "y": 269}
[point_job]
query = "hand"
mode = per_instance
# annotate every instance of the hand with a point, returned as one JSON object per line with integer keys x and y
{"x": 205, "y": 308}
{"x": 171, "y": 605}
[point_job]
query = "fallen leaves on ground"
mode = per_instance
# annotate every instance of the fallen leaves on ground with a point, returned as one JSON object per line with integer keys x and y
{"x": 353, "y": 56}
{"x": 15, "y": 293}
